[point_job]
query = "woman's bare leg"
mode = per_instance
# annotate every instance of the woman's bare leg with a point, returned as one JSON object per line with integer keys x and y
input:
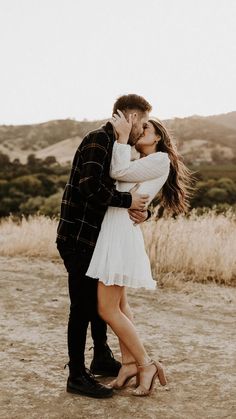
{"x": 127, "y": 357}
{"x": 126, "y": 310}
{"x": 109, "y": 299}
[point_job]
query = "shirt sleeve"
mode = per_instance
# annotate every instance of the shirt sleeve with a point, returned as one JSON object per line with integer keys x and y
{"x": 92, "y": 184}
{"x": 153, "y": 166}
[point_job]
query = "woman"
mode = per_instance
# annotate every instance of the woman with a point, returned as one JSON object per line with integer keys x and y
{"x": 120, "y": 259}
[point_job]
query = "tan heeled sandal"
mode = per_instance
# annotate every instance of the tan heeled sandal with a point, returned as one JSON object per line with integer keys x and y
{"x": 160, "y": 374}
{"x": 113, "y": 383}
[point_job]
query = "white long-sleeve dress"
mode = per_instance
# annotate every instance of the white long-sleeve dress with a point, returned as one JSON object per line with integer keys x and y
{"x": 119, "y": 256}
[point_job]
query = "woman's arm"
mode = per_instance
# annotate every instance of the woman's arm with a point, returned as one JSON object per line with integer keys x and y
{"x": 151, "y": 167}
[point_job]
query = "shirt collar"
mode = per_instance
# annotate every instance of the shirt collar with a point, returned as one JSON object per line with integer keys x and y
{"x": 109, "y": 130}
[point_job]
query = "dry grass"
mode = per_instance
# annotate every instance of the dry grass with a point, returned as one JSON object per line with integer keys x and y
{"x": 199, "y": 248}
{"x": 34, "y": 236}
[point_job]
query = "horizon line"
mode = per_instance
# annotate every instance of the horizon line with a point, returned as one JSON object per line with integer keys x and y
{"x": 102, "y": 119}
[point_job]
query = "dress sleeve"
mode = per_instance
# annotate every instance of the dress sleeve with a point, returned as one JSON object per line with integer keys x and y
{"x": 153, "y": 166}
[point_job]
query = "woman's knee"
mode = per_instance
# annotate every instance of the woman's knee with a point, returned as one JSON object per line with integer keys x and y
{"x": 102, "y": 310}
{"x": 106, "y": 312}
{"x": 108, "y": 301}
{"x": 125, "y": 307}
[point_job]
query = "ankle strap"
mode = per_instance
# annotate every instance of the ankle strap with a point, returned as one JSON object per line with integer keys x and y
{"x": 129, "y": 363}
{"x": 146, "y": 365}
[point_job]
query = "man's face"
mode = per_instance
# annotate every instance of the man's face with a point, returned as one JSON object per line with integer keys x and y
{"x": 140, "y": 120}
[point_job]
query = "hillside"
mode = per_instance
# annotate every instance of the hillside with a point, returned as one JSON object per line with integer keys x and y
{"x": 227, "y": 119}
{"x": 203, "y": 139}
{"x": 63, "y": 150}
{"x": 18, "y": 141}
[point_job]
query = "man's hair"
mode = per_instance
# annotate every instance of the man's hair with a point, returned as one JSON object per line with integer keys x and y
{"x": 131, "y": 101}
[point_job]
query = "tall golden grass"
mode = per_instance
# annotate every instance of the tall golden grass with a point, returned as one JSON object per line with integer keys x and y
{"x": 200, "y": 248}
{"x": 34, "y": 236}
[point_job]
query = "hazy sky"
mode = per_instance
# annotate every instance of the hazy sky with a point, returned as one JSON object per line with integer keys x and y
{"x": 72, "y": 58}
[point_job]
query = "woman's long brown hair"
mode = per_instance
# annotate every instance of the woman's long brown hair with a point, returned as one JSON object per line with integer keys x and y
{"x": 177, "y": 190}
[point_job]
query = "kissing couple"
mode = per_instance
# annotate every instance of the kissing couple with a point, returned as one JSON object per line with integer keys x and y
{"x": 101, "y": 243}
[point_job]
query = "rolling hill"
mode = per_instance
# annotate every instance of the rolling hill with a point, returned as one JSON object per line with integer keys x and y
{"x": 197, "y": 137}
{"x": 63, "y": 150}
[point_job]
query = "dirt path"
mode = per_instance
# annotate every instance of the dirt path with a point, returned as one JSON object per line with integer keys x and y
{"x": 192, "y": 330}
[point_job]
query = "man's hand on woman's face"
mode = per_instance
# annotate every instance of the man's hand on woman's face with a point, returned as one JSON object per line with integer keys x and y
{"x": 138, "y": 216}
{"x": 122, "y": 126}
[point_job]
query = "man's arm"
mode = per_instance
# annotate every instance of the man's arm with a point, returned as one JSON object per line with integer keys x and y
{"x": 94, "y": 153}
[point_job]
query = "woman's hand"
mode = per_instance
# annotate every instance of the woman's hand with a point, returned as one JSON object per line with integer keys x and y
{"x": 122, "y": 126}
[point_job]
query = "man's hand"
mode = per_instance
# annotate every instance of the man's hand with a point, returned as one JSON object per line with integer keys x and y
{"x": 139, "y": 201}
{"x": 122, "y": 126}
{"x": 138, "y": 216}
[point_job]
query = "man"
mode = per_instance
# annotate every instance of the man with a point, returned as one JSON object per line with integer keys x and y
{"x": 87, "y": 195}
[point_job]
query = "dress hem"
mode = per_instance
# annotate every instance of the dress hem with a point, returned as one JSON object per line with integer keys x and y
{"x": 129, "y": 285}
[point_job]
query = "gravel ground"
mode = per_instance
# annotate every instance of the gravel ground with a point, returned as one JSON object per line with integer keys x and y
{"x": 189, "y": 328}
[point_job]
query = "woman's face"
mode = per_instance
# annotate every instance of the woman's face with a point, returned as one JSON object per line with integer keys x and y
{"x": 148, "y": 140}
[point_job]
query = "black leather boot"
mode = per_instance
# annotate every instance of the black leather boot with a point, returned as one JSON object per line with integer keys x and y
{"x": 104, "y": 363}
{"x": 82, "y": 382}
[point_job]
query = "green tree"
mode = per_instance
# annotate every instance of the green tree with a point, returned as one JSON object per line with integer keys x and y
{"x": 3, "y": 187}
{"x": 50, "y": 160}
{"x": 51, "y": 205}
{"x": 4, "y": 160}
{"x": 32, "y": 205}
{"x": 28, "y": 184}
{"x": 217, "y": 195}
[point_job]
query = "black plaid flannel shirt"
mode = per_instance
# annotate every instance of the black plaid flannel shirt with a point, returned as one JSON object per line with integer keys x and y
{"x": 90, "y": 190}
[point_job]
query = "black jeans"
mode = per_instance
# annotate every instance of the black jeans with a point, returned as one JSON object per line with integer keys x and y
{"x": 83, "y": 304}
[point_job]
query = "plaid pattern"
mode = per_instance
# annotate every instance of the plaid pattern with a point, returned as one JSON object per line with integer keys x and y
{"x": 90, "y": 190}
